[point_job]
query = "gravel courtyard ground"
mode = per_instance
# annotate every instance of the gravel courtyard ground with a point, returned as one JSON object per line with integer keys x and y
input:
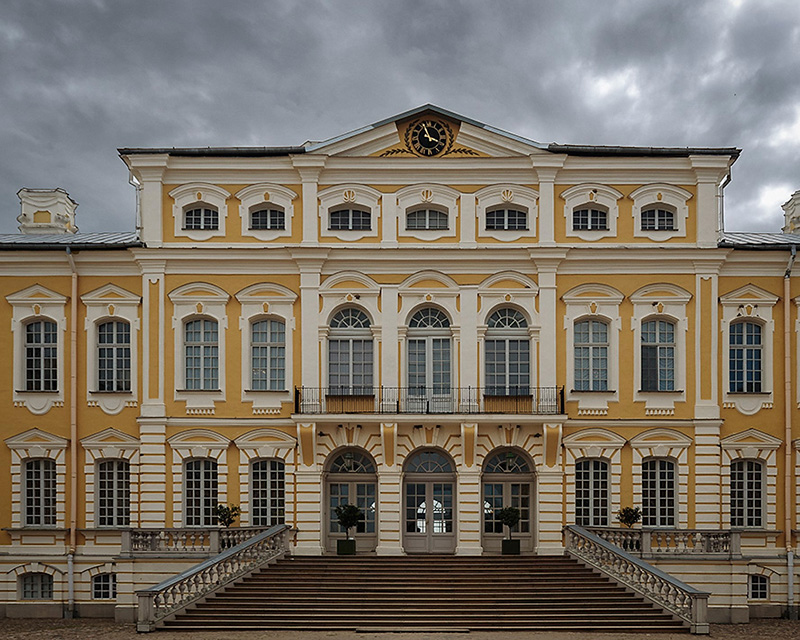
{"x": 97, "y": 629}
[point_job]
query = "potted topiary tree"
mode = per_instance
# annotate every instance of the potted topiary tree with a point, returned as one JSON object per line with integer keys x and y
{"x": 629, "y": 516}
{"x": 510, "y": 516}
{"x": 226, "y": 514}
{"x": 348, "y": 516}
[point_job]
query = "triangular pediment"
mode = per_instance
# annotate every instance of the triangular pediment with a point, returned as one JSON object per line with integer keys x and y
{"x": 749, "y": 293}
{"x": 751, "y": 438}
{"x": 109, "y": 437}
{"x": 36, "y": 437}
{"x": 447, "y": 134}
{"x": 111, "y": 293}
{"x": 36, "y": 293}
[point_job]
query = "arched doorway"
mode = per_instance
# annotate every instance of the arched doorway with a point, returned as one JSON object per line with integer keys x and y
{"x": 507, "y": 481}
{"x": 429, "y": 501}
{"x": 351, "y": 479}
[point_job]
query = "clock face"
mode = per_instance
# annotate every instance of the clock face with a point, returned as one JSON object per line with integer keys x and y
{"x": 429, "y": 137}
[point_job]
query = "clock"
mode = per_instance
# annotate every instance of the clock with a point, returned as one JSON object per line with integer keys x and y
{"x": 429, "y": 137}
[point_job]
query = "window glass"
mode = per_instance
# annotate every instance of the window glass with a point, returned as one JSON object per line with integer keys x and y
{"x": 267, "y": 483}
{"x": 758, "y": 587}
{"x": 104, "y": 586}
{"x": 40, "y": 493}
{"x": 350, "y": 220}
{"x": 745, "y": 363}
{"x": 658, "y": 493}
{"x": 747, "y": 493}
{"x": 201, "y": 218}
{"x": 268, "y": 345}
{"x": 590, "y": 341}
{"x": 507, "y": 354}
{"x": 114, "y": 357}
{"x": 200, "y": 492}
{"x": 37, "y": 586}
{"x": 591, "y": 493}
{"x": 202, "y": 354}
{"x": 41, "y": 356}
{"x": 658, "y": 356}
{"x": 655, "y": 219}
{"x": 503, "y": 219}
{"x": 113, "y": 493}
{"x": 269, "y": 217}
{"x": 426, "y": 219}
{"x": 350, "y": 354}
{"x": 589, "y": 219}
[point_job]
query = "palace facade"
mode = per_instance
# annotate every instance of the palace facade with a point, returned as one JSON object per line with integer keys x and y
{"x": 429, "y": 318}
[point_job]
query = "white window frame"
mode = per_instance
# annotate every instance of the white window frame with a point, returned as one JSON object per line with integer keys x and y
{"x": 749, "y": 494}
{"x": 660, "y": 488}
{"x": 266, "y": 301}
{"x": 119, "y": 515}
{"x": 266, "y": 194}
{"x": 273, "y": 503}
{"x": 48, "y": 515}
{"x": 99, "y": 588}
{"x": 754, "y": 578}
{"x": 593, "y": 302}
{"x": 504, "y": 335}
{"x": 750, "y": 304}
{"x": 668, "y": 302}
{"x": 352, "y": 196}
{"x": 591, "y": 194}
{"x": 597, "y": 517}
{"x": 33, "y": 304}
{"x": 351, "y": 334}
{"x": 193, "y": 301}
{"x": 203, "y": 195}
{"x": 41, "y": 577}
{"x": 111, "y": 303}
{"x": 658, "y": 194}
{"x": 511, "y": 196}
{"x": 421, "y": 196}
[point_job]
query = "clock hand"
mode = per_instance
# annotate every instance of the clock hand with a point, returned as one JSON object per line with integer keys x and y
{"x": 428, "y": 135}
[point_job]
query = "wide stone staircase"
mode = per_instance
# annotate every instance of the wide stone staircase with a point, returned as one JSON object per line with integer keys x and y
{"x": 421, "y": 593}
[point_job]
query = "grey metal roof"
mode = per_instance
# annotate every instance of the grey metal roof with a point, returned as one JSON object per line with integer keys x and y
{"x": 745, "y": 240}
{"x": 28, "y": 241}
{"x": 227, "y": 152}
{"x": 681, "y": 152}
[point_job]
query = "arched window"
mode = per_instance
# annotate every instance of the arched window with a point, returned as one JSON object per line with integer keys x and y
{"x": 429, "y": 361}
{"x": 426, "y": 219}
{"x": 348, "y": 219}
{"x": 428, "y": 461}
{"x": 657, "y": 218}
{"x": 507, "y": 482}
{"x": 200, "y": 492}
{"x": 350, "y": 359}
{"x": 267, "y": 497}
{"x": 592, "y": 502}
{"x": 41, "y": 356}
{"x": 352, "y": 479}
{"x": 745, "y": 358}
{"x": 40, "y": 493}
{"x": 658, "y": 356}
{"x": 201, "y": 346}
{"x": 747, "y": 493}
{"x": 590, "y": 340}
{"x": 659, "y": 489}
{"x": 507, "y": 354}
{"x": 267, "y": 216}
{"x": 200, "y": 216}
{"x": 36, "y": 586}
{"x": 104, "y": 586}
{"x": 268, "y": 353}
{"x": 589, "y": 218}
{"x": 114, "y": 356}
{"x": 506, "y": 219}
{"x": 113, "y": 493}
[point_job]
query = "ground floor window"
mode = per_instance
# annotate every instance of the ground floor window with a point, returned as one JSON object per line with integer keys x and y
{"x": 268, "y": 500}
{"x": 36, "y": 586}
{"x": 104, "y": 586}
{"x": 591, "y": 493}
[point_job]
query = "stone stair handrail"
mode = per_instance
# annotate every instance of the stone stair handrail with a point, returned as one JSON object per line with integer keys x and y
{"x": 677, "y": 597}
{"x": 174, "y": 594}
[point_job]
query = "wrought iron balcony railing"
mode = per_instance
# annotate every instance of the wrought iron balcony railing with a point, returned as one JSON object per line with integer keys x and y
{"x": 438, "y": 400}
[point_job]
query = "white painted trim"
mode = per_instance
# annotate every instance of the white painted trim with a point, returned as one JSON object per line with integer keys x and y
{"x": 668, "y": 194}
{"x": 349, "y": 195}
{"x": 266, "y": 193}
{"x": 199, "y": 193}
{"x": 589, "y": 194}
{"x": 507, "y": 195}
{"x": 417, "y": 196}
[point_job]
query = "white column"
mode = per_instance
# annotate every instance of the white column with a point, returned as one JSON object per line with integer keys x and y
{"x": 547, "y": 166}
{"x": 153, "y": 404}
{"x": 389, "y": 511}
{"x": 149, "y": 170}
{"x": 468, "y": 515}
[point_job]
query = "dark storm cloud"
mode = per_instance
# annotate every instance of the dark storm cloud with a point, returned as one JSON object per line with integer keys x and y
{"x": 81, "y": 78}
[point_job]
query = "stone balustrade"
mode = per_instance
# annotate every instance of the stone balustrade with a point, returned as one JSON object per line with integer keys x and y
{"x": 184, "y": 540}
{"x": 654, "y": 542}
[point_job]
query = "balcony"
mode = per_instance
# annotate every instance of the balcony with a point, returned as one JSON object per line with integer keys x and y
{"x": 429, "y": 400}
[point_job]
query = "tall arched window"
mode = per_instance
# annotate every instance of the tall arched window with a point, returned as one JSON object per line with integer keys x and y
{"x": 113, "y": 493}
{"x": 745, "y": 361}
{"x": 591, "y": 355}
{"x": 747, "y": 493}
{"x": 267, "y": 493}
{"x": 429, "y": 361}
{"x": 658, "y": 355}
{"x": 350, "y": 361}
{"x": 200, "y": 492}
{"x": 507, "y": 354}
{"x": 41, "y": 356}
{"x": 592, "y": 502}
{"x": 659, "y": 488}
{"x": 114, "y": 356}
{"x": 352, "y": 479}
{"x": 40, "y": 498}
{"x": 202, "y": 354}
{"x": 268, "y": 353}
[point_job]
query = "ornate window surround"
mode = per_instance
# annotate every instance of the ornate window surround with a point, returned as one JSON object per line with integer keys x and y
{"x": 437, "y": 195}
{"x": 190, "y": 302}
{"x": 752, "y": 444}
{"x": 752, "y": 304}
{"x": 110, "y": 303}
{"x": 266, "y": 193}
{"x": 350, "y": 194}
{"x": 507, "y": 195}
{"x": 668, "y": 194}
{"x": 36, "y": 443}
{"x": 30, "y": 305}
{"x": 599, "y": 194}
{"x": 266, "y": 301}
{"x": 670, "y": 305}
{"x": 593, "y": 301}
{"x": 204, "y": 193}
{"x": 110, "y": 444}
{"x": 197, "y": 444}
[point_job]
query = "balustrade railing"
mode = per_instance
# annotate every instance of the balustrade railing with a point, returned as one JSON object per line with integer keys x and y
{"x": 652, "y": 542}
{"x": 176, "y": 593}
{"x": 185, "y": 540}
{"x": 470, "y": 400}
{"x": 677, "y": 597}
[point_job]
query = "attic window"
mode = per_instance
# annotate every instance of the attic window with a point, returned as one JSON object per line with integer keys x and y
{"x": 502, "y": 219}
{"x": 201, "y": 218}
{"x": 350, "y": 220}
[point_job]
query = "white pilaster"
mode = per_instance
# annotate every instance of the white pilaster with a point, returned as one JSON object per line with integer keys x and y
{"x": 390, "y": 356}
{"x": 308, "y": 512}
{"x": 468, "y": 514}
{"x": 152, "y": 488}
{"x": 468, "y": 220}
{"x": 309, "y": 167}
{"x": 707, "y": 469}
{"x": 389, "y": 511}
{"x": 389, "y": 220}
{"x": 469, "y": 336}
{"x": 550, "y": 520}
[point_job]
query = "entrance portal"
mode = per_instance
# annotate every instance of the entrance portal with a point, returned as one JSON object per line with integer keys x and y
{"x": 429, "y": 499}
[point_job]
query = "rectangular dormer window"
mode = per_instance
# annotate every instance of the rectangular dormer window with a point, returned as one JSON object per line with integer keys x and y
{"x": 350, "y": 220}
{"x": 658, "y": 220}
{"x": 201, "y": 219}
{"x": 268, "y": 219}
{"x": 506, "y": 220}
{"x": 589, "y": 220}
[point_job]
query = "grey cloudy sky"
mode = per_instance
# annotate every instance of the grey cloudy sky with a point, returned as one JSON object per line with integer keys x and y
{"x": 81, "y": 78}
